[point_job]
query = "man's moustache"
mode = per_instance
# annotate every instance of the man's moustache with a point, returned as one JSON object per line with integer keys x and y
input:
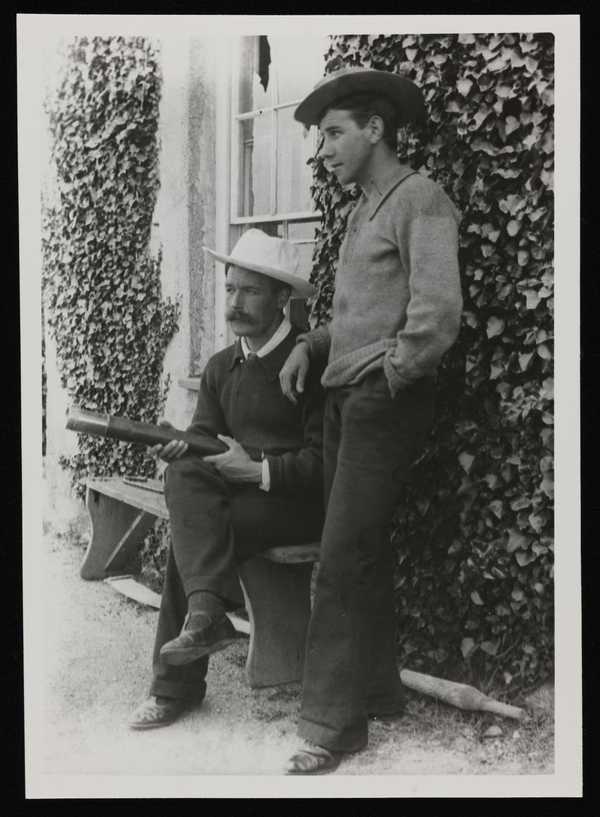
{"x": 238, "y": 316}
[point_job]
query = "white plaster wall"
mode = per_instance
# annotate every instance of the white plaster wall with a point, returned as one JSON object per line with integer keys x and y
{"x": 170, "y": 226}
{"x": 61, "y": 509}
{"x": 185, "y": 213}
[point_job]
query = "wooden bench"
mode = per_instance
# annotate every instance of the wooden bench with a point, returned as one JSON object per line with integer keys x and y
{"x": 275, "y": 584}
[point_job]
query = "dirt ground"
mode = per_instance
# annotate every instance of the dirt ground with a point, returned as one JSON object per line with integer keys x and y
{"x": 97, "y": 650}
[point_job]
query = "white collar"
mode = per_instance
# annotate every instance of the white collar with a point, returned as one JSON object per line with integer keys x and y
{"x": 282, "y": 331}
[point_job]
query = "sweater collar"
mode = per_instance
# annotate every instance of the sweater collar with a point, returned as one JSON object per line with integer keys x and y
{"x": 402, "y": 173}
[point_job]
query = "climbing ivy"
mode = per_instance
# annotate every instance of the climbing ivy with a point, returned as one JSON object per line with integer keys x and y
{"x": 101, "y": 283}
{"x": 474, "y": 534}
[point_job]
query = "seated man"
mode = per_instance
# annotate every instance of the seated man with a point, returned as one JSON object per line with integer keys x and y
{"x": 264, "y": 491}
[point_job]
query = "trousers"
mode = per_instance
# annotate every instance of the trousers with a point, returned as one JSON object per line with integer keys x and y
{"x": 370, "y": 442}
{"x": 215, "y": 525}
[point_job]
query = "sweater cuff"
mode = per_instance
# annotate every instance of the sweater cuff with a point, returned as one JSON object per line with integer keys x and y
{"x": 275, "y": 472}
{"x": 318, "y": 342}
{"x": 395, "y": 381}
{"x": 265, "y": 483}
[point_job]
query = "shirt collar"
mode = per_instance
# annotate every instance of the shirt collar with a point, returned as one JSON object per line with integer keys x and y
{"x": 282, "y": 331}
{"x": 269, "y": 359}
{"x": 402, "y": 173}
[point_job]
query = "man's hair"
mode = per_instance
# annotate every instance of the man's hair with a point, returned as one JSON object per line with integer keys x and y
{"x": 362, "y": 107}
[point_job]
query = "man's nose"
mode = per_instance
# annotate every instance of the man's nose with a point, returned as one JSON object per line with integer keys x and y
{"x": 324, "y": 150}
{"x": 236, "y": 298}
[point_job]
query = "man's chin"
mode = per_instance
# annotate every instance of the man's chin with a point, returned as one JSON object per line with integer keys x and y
{"x": 240, "y": 328}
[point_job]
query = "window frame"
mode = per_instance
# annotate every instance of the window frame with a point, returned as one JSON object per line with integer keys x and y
{"x": 235, "y": 170}
{"x": 228, "y": 225}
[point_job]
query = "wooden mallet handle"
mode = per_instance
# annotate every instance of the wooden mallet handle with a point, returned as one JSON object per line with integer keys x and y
{"x": 461, "y": 695}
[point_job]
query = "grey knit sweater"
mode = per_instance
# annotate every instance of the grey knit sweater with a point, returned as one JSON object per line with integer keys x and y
{"x": 397, "y": 301}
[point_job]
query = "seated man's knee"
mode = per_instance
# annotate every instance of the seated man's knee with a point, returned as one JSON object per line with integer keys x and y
{"x": 188, "y": 468}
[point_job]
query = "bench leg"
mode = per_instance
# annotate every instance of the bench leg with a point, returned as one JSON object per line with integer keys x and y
{"x": 278, "y": 603}
{"x": 117, "y": 532}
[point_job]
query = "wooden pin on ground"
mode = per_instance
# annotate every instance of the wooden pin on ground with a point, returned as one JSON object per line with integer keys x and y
{"x": 462, "y": 696}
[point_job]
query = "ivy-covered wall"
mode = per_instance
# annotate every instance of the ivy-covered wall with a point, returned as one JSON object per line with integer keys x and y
{"x": 102, "y": 293}
{"x": 474, "y": 537}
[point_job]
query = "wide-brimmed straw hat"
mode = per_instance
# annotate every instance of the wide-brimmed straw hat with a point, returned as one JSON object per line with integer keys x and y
{"x": 402, "y": 92}
{"x": 275, "y": 257}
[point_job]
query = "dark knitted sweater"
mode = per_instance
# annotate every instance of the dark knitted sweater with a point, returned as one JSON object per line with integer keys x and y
{"x": 243, "y": 399}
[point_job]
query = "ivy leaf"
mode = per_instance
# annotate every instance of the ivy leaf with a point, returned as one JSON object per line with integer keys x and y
{"x": 476, "y": 598}
{"x": 537, "y": 522}
{"x": 544, "y": 352}
{"x": 512, "y": 124}
{"x": 467, "y": 646}
{"x": 484, "y": 145}
{"x": 524, "y": 360}
{"x": 522, "y": 257}
{"x": 532, "y": 299}
{"x": 524, "y": 558}
{"x": 516, "y": 540}
{"x": 496, "y": 508}
{"x": 512, "y": 204}
{"x": 490, "y": 647}
{"x": 466, "y": 460}
{"x": 548, "y": 388}
{"x": 547, "y": 486}
{"x": 541, "y": 336}
{"x": 491, "y": 480}
{"x": 495, "y": 326}
{"x": 548, "y": 97}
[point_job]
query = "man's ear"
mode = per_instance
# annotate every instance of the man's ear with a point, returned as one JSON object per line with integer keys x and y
{"x": 375, "y": 129}
{"x": 283, "y": 296}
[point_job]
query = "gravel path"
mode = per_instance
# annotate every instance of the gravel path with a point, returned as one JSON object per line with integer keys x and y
{"x": 97, "y": 652}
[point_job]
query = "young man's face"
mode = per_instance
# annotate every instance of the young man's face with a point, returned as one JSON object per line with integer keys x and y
{"x": 347, "y": 148}
{"x": 253, "y": 304}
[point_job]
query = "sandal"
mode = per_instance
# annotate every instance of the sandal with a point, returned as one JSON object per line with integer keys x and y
{"x": 151, "y": 713}
{"x": 314, "y": 760}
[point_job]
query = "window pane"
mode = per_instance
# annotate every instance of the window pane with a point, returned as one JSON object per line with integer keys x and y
{"x": 297, "y": 63}
{"x": 252, "y": 95}
{"x": 294, "y": 147}
{"x": 255, "y": 165}
{"x": 273, "y": 228}
{"x": 305, "y": 251}
{"x": 302, "y": 234}
{"x": 302, "y": 230}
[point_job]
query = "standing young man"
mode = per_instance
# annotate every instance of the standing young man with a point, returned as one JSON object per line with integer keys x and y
{"x": 396, "y": 310}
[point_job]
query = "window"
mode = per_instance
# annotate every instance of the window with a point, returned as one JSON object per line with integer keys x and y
{"x": 270, "y": 179}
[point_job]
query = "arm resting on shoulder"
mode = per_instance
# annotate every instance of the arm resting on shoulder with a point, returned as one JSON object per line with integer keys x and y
{"x": 318, "y": 341}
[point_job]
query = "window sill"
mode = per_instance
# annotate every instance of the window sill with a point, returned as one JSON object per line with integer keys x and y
{"x": 190, "y": 383}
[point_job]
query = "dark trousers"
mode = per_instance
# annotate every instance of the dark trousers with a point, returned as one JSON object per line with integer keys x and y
{"x": 370, "y": 441}
{"x": 214, "y": 526}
